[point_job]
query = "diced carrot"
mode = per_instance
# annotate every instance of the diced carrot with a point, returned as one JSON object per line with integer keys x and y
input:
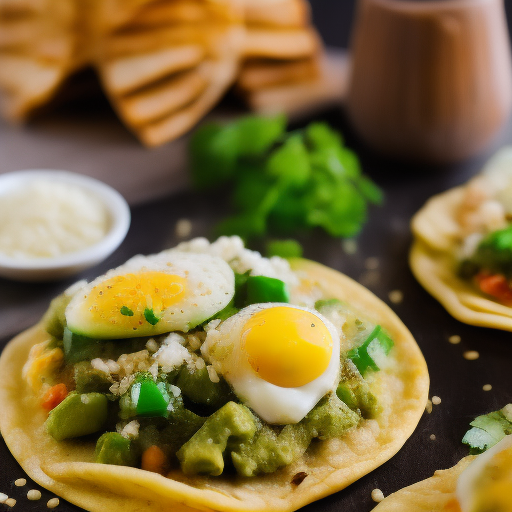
{"x": 495, "y": 285}
{"x": 54, "y": 396}
{"x": 154, "y": 459}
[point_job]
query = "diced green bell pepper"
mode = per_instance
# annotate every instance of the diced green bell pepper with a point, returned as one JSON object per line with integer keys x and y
{"x": 362, "y": 355}
{"x": 150, "y": 398}
{"x": 113, "y": 448}
{"x": 78, "y": 415}
{"x": 266, "y": 289}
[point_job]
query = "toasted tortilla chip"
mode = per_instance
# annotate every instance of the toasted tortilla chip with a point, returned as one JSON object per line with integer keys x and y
{"x": 430, "y": 495}
{"x": 260, "y": 73}
{"x": 277, "y": 13}
{"x": 433, "y": 262}
{"x": 67, "y": 468}
{"x": 326, "y": 88}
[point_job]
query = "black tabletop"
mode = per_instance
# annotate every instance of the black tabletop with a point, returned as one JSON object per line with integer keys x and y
{"x": 387, "y": 237}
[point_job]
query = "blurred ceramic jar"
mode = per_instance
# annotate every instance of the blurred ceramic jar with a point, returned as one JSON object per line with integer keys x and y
{"x": 430, "y": 80}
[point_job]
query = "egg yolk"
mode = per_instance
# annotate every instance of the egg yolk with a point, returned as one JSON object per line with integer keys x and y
{"x": 287, "y": 347}
{"x": 133, "y": 300}
{"x": 493, "y": 490}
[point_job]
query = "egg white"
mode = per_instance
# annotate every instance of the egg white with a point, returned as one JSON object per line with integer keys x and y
{"x": 467, "y": 482}
{"x": 210, "y": 286}
{"x": 274, "y": 404}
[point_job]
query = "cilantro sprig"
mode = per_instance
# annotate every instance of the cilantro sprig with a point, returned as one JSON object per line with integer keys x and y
{"x": 488, "y": 430}
{"x": 290, "y": 181}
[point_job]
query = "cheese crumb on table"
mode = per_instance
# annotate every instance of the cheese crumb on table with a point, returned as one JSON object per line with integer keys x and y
{"x": 455, "y": 339}
{"x": 20, "y": 482}
{"x": 377, "y": 495}
{"x": 396, "y": 296}
{"x": 3, "y": 497}
{"x": 183, "y": 228}
{"x": 487, "y": 387}
{"x": 34, "y": 495}
{"x": 349, "y": 246}
{"x": 433, "y": 437}
{"x": 428, "y": 407}
{"x": 54, "y": 502}
{"x": 371, "y": 263}
{"x": 436, "y": 400}
{"x": 10, "y": 502}
{"x": 471, "y": 355}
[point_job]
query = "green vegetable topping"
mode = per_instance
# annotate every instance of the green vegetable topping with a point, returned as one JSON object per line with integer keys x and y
{"x": 150, "y": 316}
{"x": 266, "y": 289}
{"x": 225, "y": 429}
{"x": 364, "y": 355}
{"x": 126, "y": 311}
{"x": 488, "y": 430}
{"x": 290, "y": 181}
{"x": 284, "y": 249}
{"x": 113, "y": 448}
{"x": 150, "y": 398}
{"x": 78, "y": 415}
{"x": 494, "y": 254}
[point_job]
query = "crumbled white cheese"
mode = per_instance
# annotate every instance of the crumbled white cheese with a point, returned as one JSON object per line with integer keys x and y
{"x": 172, "y": 353}
{"x": 130, "y": 430}
{"x": 231, "y": 249}
{"x": 214, "y": 377}
{"x": 100, "y": 365}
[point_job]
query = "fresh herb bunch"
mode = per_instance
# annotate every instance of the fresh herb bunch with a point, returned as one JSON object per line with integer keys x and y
{"x": 286, "y": 181}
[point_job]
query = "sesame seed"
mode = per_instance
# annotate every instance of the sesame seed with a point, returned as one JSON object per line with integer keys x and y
{"x": 377, "y": 495}
{"x": 34, "y": 495}
{"x": 20, "y": 482}
{"x": 471, "y": 355}
{"x": 455, "y": 339}
{"x": 3, "y": 497}
{"x": 371, "y": 263}
{"x": 433, "y": 437}
{"x": 396, "y": 296}
{"x": 428, "y": 407}
{"x": 436, "y": 400}
{"x": 54, "y": 502}
{"x": 487, "y": 387}
{"x": 10, "y": 502}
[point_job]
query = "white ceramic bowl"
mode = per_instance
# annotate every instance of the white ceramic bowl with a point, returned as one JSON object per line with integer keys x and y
{"x": 47, "y": 269}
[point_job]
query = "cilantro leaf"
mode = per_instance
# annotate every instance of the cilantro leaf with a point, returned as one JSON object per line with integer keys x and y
{"x": 256, "y": 134}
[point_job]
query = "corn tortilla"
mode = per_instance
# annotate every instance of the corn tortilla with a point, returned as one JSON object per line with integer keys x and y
{"x": 67, "y": 468}
{"x": 433, "y": 263}
{"x": 430, "y": 495}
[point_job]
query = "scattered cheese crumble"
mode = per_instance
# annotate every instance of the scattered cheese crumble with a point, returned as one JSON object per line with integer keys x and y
{"x": 20, "y": 482}
{"x": 455, "y": 339}
{"x": 53, "y": 503}
{"x": 436, "y": 400}
{"x": 377, "y": 495}
{"x": 34, "y": 495}
{"x": 471, "y": 355}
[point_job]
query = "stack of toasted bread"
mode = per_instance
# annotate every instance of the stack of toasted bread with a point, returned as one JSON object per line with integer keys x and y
{"x": 163, "y": 63}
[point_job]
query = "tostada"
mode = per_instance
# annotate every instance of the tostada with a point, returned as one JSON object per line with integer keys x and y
{"x": 208, "y": 377}
{"x": 476, "y": 484}
{"x": 462, "y": 253}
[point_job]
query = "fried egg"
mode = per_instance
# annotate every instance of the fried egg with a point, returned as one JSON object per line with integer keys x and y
{"x": 151, "y": 295}
{"x": 280, "y": 359}
{"x": 486, "y": 484}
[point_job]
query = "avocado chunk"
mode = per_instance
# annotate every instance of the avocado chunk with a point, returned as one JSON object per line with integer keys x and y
{"x": 270, "y": 450}
{"x": 197, "y": 386}
{"x": 355, "y": 391}
{"x": 113, "y": 448}
{"x": 225, "y": 429}
{"x": 78, "y": 415}
{"x": 89, "y": 380}
{"x": 54, "y": 320}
